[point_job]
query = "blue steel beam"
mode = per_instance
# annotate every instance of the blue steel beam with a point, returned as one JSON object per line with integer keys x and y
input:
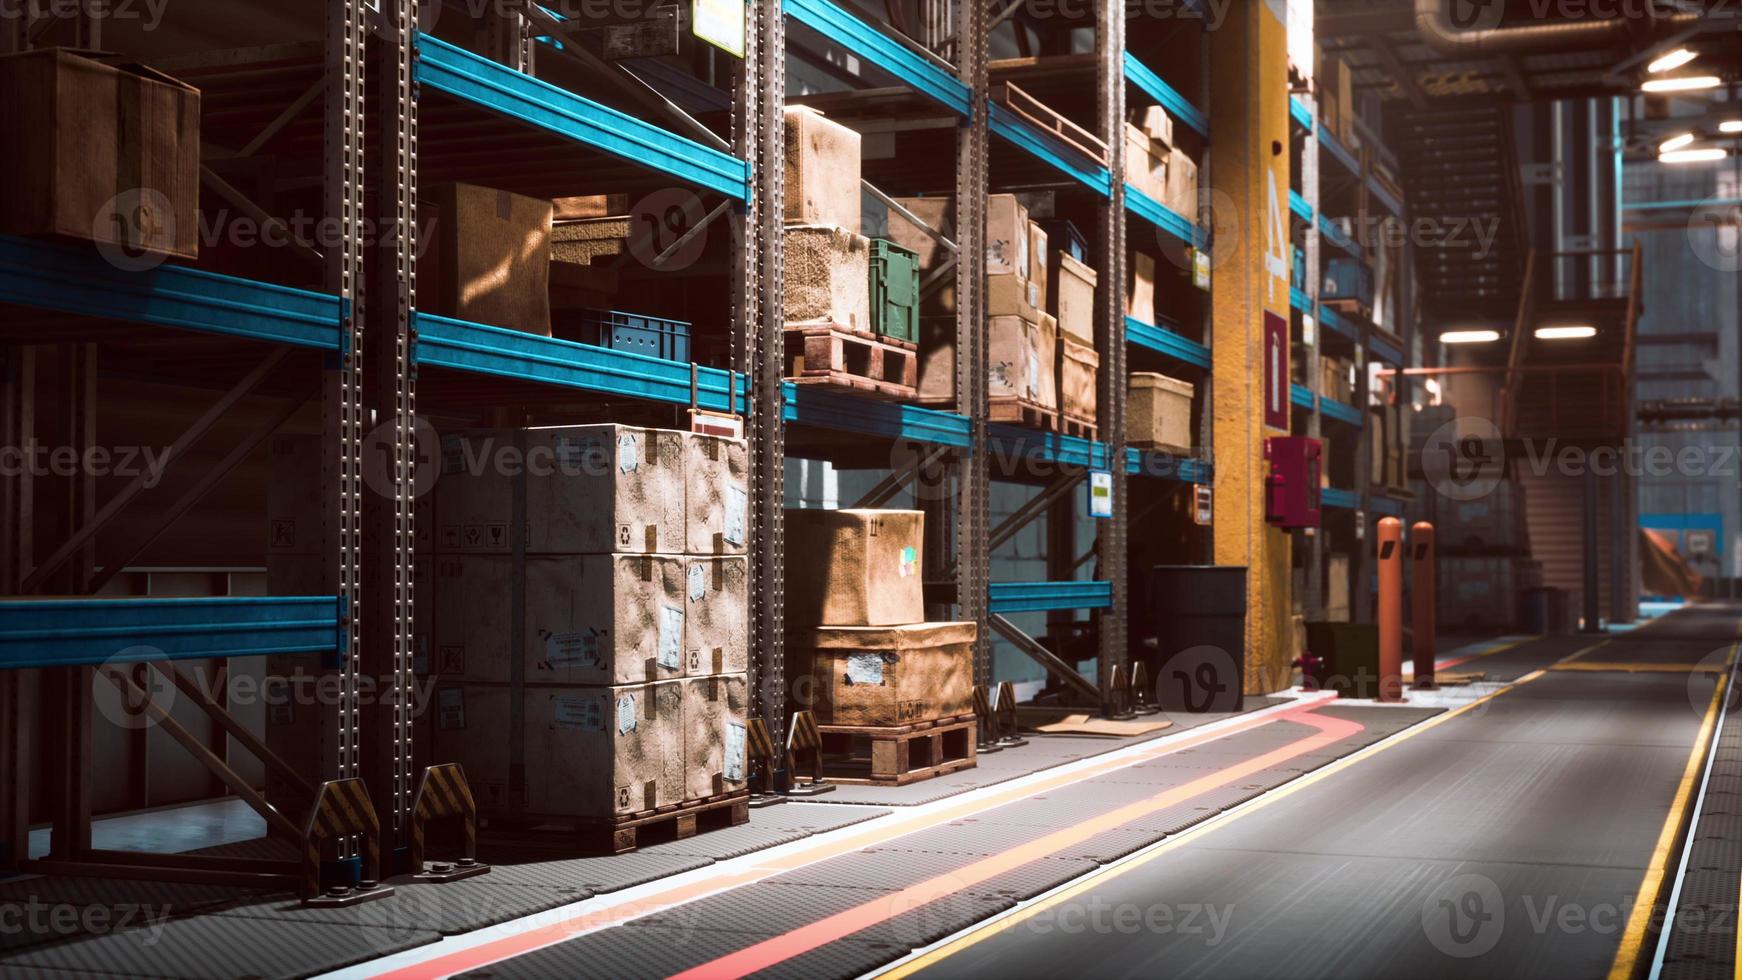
{"x": 1301, "y": 396}
{"x": 1164, "y": 217}
{"x": 1166, "y": 466}
{"x": 883, "y": 51}
{"x": 1014, "y": 597}
{"x": 1340, "y": 499}
{"x": 480, "y": 349}
{"x": 1165, "y": 341}
{"x": 1299, "y": 113}
{"x": 1011, "y": 444}
{"x": 460, "y": 73}
{"x": 1165, "y": 95}
{"x": 88, "y": 632}
{"x": 68, "y": 279}
{"x": 846, "y": 413}
{"x": 1072, "y": 164}
{"x": 1347, "y": 414}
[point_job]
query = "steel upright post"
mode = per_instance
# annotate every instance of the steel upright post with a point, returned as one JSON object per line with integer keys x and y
{"x": 766, "y": 137}
{"x": 973, "y": 559}
{"x": 1110, "y": 339}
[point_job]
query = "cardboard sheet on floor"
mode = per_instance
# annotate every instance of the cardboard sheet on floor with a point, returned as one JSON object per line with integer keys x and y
{"x": 1052, "y": 722}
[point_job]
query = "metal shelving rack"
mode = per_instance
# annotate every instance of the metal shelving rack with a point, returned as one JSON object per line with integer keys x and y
{"x": 1318, "y": 148}
{"x": 384, "y": 362}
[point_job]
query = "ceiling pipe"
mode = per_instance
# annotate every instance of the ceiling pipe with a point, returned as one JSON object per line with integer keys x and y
{"x": 1436, "y": 28}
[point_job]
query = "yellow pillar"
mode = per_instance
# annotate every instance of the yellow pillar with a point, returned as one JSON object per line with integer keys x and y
{"x": 1249, "y": 179}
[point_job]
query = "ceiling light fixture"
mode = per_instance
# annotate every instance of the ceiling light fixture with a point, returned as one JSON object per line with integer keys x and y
{"x": 1730, "y": 126}
{"x": 1705, "y": 154}
{"x": 1675, "y": 143}
{"x": 1690, "y": 83}
{"x": 1566, "y": 332}
{"x": 1671, "y": 61}
{"x": 1469, "y": 336}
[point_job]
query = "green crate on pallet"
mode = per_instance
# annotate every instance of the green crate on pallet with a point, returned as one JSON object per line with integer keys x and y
{"x": 894, "y": 291}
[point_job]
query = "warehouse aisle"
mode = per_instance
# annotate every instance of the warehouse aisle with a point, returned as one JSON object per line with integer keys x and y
{"x": 1508, "y": 837}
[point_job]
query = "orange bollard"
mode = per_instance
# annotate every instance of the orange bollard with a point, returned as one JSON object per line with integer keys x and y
{"x": 1422, "y": 600}
{"x": 1390, "y": 547}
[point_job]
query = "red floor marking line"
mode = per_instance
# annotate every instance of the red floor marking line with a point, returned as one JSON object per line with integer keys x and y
{"x": 806, "y": 938}
{"x": 519, "y": 944}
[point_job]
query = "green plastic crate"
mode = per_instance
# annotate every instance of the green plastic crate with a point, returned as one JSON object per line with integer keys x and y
{"x": 894, "y": 291}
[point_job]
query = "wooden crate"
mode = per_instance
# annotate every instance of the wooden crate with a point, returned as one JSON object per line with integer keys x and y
{"x": 898, "y": 756}
{"x": 833, "y": 356}
{"x": 883, "y": 677}
{"x": 856, "y": 567}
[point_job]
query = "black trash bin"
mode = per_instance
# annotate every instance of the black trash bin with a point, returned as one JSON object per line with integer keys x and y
{"x": 1197, "y": 620}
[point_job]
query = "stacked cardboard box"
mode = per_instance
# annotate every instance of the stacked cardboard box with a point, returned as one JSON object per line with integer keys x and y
{"x": 488, "y": 258}
{"x": 1024, "y": 336}
{"x": 862, "y": 657}
{"x": 590, "y": 625}
{"x": 827, "y": 269}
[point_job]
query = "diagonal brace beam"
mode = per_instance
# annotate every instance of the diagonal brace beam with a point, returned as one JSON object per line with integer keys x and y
{"x": 138, "y": 484}
{"x": 1046, "y": 658}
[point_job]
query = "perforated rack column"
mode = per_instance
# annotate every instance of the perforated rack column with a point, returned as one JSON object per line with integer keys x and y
{"x": 393, "y": 452}
{"x": 342, "y": 391}
{"x": 764, "y": 136}
{"x": 973, "y": 527}
{"x": 1110, "y": 338}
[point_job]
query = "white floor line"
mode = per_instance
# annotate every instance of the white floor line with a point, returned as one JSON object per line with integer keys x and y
{"x": 593, "y": 914}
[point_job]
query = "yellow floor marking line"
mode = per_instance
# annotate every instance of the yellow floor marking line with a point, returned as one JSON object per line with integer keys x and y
{"x": 1580, "y": 654}
{"x": 1651, "y": 888}
{"x": 1109, "y": 872}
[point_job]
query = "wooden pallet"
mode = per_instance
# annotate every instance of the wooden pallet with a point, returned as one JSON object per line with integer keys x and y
{"x": 1044, "y": 118}
{"x": 1021, "y": 411}
{"x": 898, "y": 756}
{"x": 625, "y": 833}
{"x": 831, "y": 355}
{"x": 1070, "y": 425}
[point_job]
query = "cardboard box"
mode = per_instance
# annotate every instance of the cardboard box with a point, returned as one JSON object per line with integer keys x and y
{"x": 296, "y": 497}
{"x": 101, "y": 151}
{"x": 828, "y": 277}
{"x": 1037, "y": 264}
{"x": 1007, "y": 244}
{"x": 590, "y": 489}
{"x": 1140, "y": 298}
{"x": 717, "y": 615}
{"x": 590, "y": 206}
{"x": 1337, "y": 583}
{"x": 854, "y": 567}
{"x": 1155, "y": 123}
{"x": 590, "y": 752}
{"x": 716, "y": 713}
{"x": 1182, "y": 184}
{"x": 1020, "y": 360}
{"x": 1145, "y": 168}
{"x": 1078, "y": 368}
{"x": 1013, "y": 295}
{"x": 489, "y": 256}
{"x": 937, "y": 360}
{"x": 822, "y": 171}
{"x": 1158, "y": 412}
{"x": 589, "y": 619}
{"x": 887, "y": 677}
{"x": 1073, "y": 297}
{"x": 585, "y": 241}
{"x": 938, "y": 214}
{"x": 716, "y": 495}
